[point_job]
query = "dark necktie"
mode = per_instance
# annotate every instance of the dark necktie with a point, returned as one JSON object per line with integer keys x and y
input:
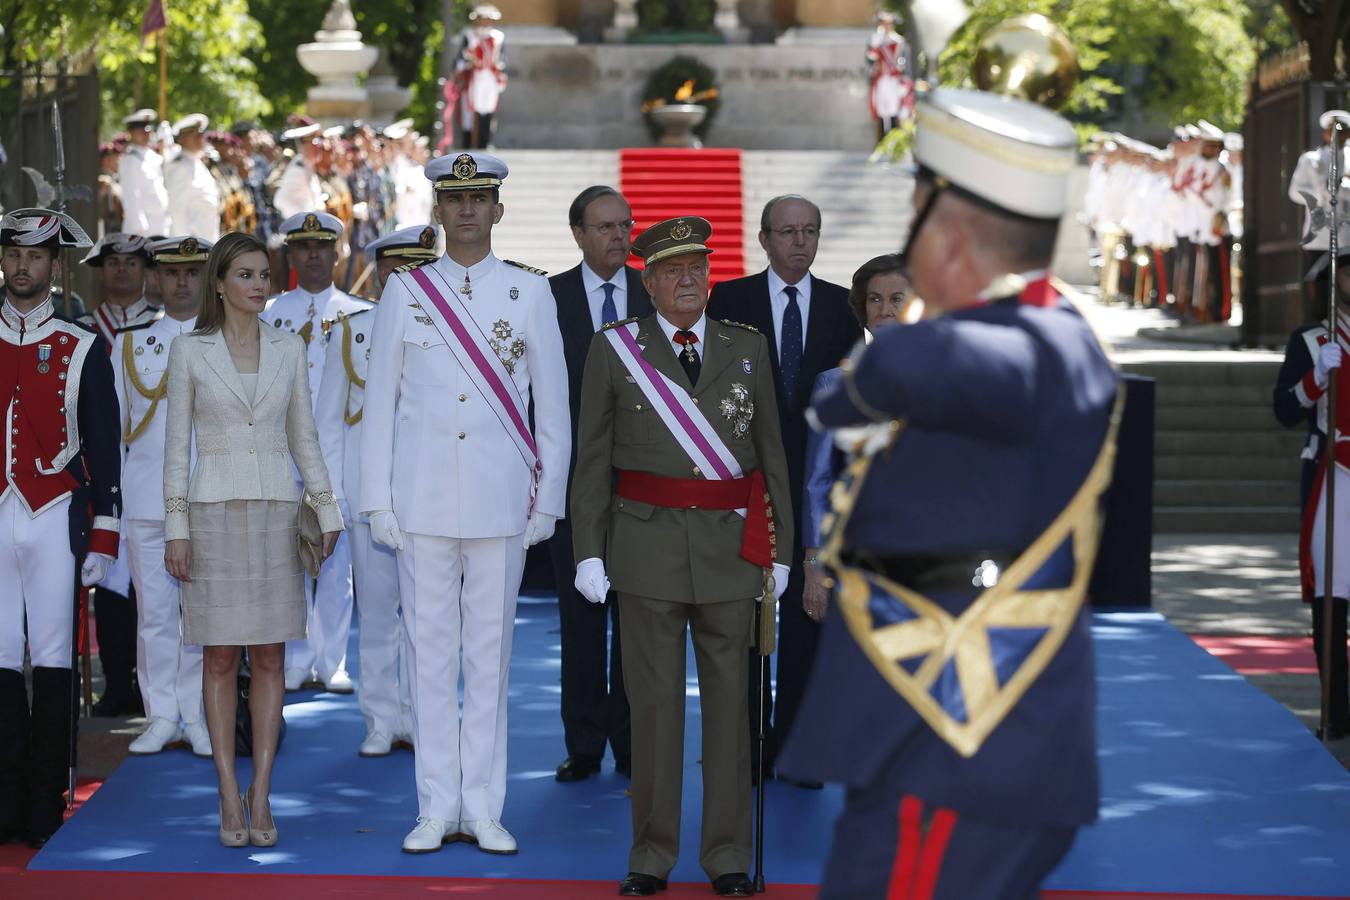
{"x": 790, "y": 347}
{"x": 689, "y": 356}
{"x": 608, "y": 311}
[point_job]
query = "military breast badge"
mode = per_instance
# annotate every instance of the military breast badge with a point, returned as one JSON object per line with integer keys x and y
{"x": 507, "y": 350}
{"x": 44, "y": 354}
{"x": 738, "y": 409}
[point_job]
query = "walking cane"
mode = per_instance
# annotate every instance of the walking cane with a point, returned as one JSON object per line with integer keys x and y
{"x": 1328, "y": 555}
{"x": 71, "y": 756}
{"x": 765, "y": 639}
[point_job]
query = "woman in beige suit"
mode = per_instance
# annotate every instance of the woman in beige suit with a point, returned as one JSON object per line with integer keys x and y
{"x": 243, "y": 386}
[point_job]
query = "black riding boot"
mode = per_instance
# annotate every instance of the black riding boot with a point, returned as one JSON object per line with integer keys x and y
{"x": 52, "y": 733}
{"x": 115, "y": 625}
{"x": 14, "y": 729}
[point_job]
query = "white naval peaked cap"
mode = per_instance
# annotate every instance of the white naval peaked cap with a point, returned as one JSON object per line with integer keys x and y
{"x": 486, "y": 11}
{"x": 181, "y": 248}
{"x": 191, "y": 122}
{"x": 1012, "y": 153}
{"x": 300, "y": 132}
{"x": 415, "y": 242}
{"x": 145, "y": 117}
{"x": 1233, "y": 142}
{"x": 311, "y": 226}
{"x": 1209, "y": 131}
{"x": 469, "y": 171}
{"x": 398, "y": 130}
{"x": 1327, "y": 118}
{"x": 117, "y": 242}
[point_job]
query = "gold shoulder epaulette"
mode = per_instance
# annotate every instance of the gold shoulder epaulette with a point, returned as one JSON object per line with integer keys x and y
{"x": 740, "y": 325}
{"x": 521, "y": 265}
{"x": 620, "y": 323}
{"x": 409, "y": 266}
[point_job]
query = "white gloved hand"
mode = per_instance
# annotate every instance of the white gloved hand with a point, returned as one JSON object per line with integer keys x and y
{"x": 1328, "y": 358}
{"x": 95, "y": 568}
{"x": 591, "y": 581}
{"x": 384, "y": 529}
{"x": 780, "y": 580}
{"x": 539, "y": 528}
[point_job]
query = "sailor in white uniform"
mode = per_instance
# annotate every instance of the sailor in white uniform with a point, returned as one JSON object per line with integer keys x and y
{"x": 140, "y": 172}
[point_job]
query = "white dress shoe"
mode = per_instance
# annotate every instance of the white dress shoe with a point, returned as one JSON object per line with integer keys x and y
{"x": 377, "y": 743}
{"x": 200, "y": 739}
{"x": 295, "y": 678}
{"x": 339, "y": 683}
{"x": 154, "y": 739}
{"x": 489, "y": 835}
{"x": 429, "y": 835}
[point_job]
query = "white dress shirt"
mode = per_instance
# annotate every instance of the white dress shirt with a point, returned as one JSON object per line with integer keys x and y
{"x": 595, "y": 293}
{"x": 699, "y": 328}
{"x": 778, "y": 301}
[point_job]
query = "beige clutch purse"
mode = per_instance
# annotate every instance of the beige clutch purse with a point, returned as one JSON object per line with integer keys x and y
{"x": 309, "y": 536}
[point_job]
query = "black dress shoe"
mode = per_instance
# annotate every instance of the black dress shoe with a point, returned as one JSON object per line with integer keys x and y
{"x": 13, "y": 835}
{"x": 1335, "y": 731}
{"x": 576, "y": 768}
{"x": 637, "y": 884}
{"x": 734, "y": 884}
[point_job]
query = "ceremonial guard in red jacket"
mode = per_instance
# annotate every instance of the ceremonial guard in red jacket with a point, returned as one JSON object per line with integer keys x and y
{"x": 59, "y": 512}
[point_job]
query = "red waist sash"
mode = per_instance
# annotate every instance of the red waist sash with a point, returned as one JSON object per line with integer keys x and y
{"x": 758, "y": 540}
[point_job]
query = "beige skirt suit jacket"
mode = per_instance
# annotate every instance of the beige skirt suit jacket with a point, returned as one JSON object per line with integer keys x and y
{"x": 240, "y": 504}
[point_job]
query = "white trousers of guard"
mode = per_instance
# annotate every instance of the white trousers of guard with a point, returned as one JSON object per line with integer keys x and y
{"x": 37, "y": 584}
{"x": 1340, "y": 569}
{"x": 170, "y": 672}
{"x": 329, "y": 598}
{"x": 384, "y": 693}
{"x": 459, "y": 594}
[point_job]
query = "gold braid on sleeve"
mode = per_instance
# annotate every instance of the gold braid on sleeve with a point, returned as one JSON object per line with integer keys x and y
{"x": 351, "y": 418}
{"x": 154, "y": 395}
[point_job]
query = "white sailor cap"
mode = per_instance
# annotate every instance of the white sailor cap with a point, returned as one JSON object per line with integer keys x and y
{"x": 37, "y": 227}
{"x": 117, "y": 242}
{"x": 398, "y": 130}
{"x": 311, "y": 226}
{"x": 1233, "y": 142}
{"x": 1327, "y": 118}
{"x": 191, "y": 122}
{"x": 486, "y": 11}
{"x": 466, "y": 172}
{"x": 1210, "y": 132}
{"x": 1011, "y": 153}
{"x": 180, "y": 249}
{"x": 143, "y": 117}
{"x": 417, "y": 242}
{"x": 334, "y": 132}
{"x": 300, "y": 132}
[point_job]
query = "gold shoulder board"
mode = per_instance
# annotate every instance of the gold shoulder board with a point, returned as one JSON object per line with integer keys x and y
{"x": 740, "y": 325}
{"x": 409, "y": 266}
{"x": 619, "y": 324}
{"x": 521, "y": 265}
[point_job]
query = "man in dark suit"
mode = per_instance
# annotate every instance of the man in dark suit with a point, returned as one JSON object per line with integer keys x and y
{"x": 600, "y": 290}
{"x": 810, "y": 329}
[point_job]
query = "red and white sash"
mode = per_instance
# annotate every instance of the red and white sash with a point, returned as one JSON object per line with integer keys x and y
{"x": 685, "y": 421}
{"x": 105, "y": 325}
{"x": 479, "y": 361}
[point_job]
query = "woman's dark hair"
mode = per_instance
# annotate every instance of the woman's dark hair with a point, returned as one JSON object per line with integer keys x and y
{"x": 878, "y": 265}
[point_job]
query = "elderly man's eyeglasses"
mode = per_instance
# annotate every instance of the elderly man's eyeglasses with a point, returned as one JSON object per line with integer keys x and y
{"x": 609, "y": 228}
{"x": 810, "y": 232}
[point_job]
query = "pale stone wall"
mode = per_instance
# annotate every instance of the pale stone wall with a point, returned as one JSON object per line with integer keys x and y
{"x": 835, "y": 13}
{"x": 798, "y": 97}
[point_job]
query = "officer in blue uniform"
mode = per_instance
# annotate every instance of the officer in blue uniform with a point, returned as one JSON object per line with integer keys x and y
{"x": 953, "y": 693}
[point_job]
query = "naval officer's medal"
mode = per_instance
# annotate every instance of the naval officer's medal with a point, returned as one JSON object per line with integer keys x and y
{"x": 44, "y": 354}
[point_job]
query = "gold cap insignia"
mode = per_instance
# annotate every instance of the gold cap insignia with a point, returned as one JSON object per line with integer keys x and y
{"x": 427, "y": 238}
{"x": 465, "y": 167}
{"x": 680, "y": 230}
{"x": 311, "y": 223}
{"x": 187, "y": 247}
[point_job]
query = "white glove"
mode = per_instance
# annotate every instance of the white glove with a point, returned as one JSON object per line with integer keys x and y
{"x": 95, "y": 568}
{"x": 780, "y": 580}
{"x": 591, "y": 581}
{"x": 1328, "y": 358}
{"x": 539, "y": 528}
{"x": 384, "y": 529}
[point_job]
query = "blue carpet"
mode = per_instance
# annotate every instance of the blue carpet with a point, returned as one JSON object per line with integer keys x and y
{"x": 1208, "y": 786}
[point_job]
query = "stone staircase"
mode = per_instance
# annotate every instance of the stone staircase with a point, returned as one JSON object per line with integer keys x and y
{"x": 1222, "y": 464}
{"x": 538, "y": 190}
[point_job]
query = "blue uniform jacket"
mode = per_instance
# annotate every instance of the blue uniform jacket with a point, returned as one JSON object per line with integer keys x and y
{"x": 1007, "y": 406}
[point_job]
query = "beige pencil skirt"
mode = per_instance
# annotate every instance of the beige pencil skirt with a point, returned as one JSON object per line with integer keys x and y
{"x": 247, "y": 583}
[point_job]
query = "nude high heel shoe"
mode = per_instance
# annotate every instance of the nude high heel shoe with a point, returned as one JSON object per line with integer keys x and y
{"x": 259, "y": 837}
{"x": 232, "y": 837}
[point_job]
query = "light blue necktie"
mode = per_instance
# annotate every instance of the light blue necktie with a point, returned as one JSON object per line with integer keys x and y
{"x": 608, "y": 311}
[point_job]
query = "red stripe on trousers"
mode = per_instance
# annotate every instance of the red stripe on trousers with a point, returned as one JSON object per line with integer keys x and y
{"x": 918, "y": 857}
{"x": 907, "y": 851}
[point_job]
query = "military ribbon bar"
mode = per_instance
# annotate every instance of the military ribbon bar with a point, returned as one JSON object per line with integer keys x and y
{"x": 471, "y": 350}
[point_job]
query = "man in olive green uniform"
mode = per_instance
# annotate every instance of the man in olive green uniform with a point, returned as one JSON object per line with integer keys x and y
{"x": 680, "y": 497}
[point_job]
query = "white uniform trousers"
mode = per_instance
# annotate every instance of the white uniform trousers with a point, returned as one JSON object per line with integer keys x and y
{"x": 1340, "y": 570}
{"x": 170, "y": 671}
{"x": 37, "y": 584}
{"x": 384, "y": 695}
{"x": 459, "y": 594}
{"x": 329, "y": 598}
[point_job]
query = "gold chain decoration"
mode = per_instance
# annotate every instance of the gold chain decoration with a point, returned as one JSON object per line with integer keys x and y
{"x": 352, "y": 378}
{"x": 154, "y": 395}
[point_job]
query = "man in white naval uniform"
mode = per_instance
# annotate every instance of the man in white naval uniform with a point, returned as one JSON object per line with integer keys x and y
{"x": 121, "y": 261}
{"x": 310, "y": 311}
{"x": 194, "y": 195}
{"x": 300, "y": 190}
{"x": 453, "y": 478}
{"x": 384, "y": 694}
{"x": 140, "y": 172}
{"x": 169, "y": 671}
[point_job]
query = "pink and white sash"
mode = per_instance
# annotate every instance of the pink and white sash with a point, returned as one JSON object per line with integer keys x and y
{"x": 479, "y": 361}
{"x": 685, "y": 421}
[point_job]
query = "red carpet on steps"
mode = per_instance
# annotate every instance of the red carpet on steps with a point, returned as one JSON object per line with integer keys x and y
{"x": 663, "y": 183}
